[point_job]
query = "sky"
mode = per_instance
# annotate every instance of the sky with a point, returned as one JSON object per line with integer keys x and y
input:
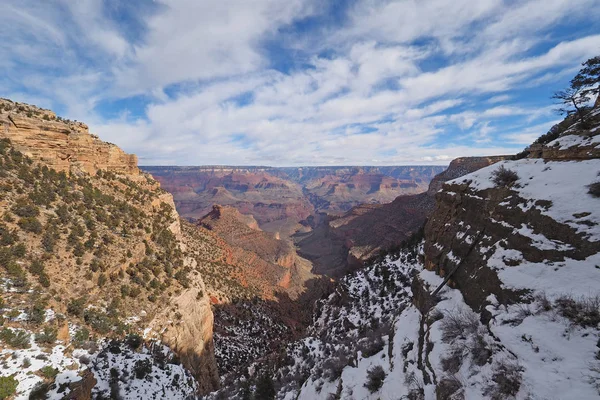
{"x": 299, "y": 82}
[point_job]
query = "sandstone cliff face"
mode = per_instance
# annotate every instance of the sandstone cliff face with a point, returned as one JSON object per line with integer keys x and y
{"x": 190, "y": 335}
{"x": 131, "y": 215}
{"x": 268, "y": 264}
{"x": 60, "y": 144}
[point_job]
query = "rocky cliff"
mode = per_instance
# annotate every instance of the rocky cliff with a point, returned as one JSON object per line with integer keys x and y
{"x": 61, "y": 144}
{"x": 536, "y": 218}
{"x": 268, "y": 264}
{"x": 101, "y": 251}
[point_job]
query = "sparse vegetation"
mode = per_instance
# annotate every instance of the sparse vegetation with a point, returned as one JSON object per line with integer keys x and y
{"x": 15, "y": 338}
{"x": 459, "y": 324}
{"x": 594, "y": 189}
{"x": 8, "y": 386}
{"x": 584, "y": 311}
{"x": 504, "y": 177}
{"x": 507, "y": 376}
{"x": 375, "y": 377}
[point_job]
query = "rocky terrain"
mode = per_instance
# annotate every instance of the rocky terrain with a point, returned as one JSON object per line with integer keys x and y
{"x": 498, "y": 297}
{"x": 268, "y": 263}
{"x": 91, "y": 249}
{"x": 280, "y": 198}
{"x": 345, "y": 242}
{"x": 61, "y": 144}
{"x": 309, "y": 202}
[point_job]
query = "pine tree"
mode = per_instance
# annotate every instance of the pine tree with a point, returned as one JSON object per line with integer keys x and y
{"x": 265, "y": 390}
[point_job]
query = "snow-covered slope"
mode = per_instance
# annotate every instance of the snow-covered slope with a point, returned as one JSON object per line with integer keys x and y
{"x": 516, "y": 314}
{"x": 127, "y": 369}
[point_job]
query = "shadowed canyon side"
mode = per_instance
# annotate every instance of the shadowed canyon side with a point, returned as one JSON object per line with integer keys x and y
{"x": 96, "y": 245}
{"x": 346, "y": 242}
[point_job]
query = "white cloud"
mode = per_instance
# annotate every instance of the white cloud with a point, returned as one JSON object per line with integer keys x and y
{"x": 397, "y": 82}
{"x": 203, "y": 39}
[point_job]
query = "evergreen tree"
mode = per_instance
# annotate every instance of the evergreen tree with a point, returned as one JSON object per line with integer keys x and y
{"x": 265, "y": 390}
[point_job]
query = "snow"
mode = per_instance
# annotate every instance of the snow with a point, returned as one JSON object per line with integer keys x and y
{"x": 166, "y": 380}
{"x": 563, "y": 183}
{"x": 555, "y": 356}
{"x": 540, "y": 241}
{"x": 13, "y": 364}
{"x": 568, "y": 141}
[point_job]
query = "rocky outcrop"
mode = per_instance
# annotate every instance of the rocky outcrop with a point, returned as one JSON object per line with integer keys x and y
{"x": 484, "y": 229}
{"x": 137, "y": 236}
{"x": 61, "y": 144}
{"x": 267, "y": 263}
{"x": 190, "y": 336}
{"x": 459, "y": 167}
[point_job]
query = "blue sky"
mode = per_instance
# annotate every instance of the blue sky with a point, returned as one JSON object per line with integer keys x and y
{"x": 299, "y": 82}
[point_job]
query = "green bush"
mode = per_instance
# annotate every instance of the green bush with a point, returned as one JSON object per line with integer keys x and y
{"x": 76, "y": 307}
{"x": 8, "y": 386}
{"x": 82, "y": 335}
{"x": 504, "y": 177}
{"x": 25, "y": 208}
{"x": 7, "y": 237}
{"x": 48, "y": 372}
{"x": 17, "y": 339}
{"x": 30, "y": 224}
{"x": 19, "y": 250}
{"x": 47, "y": 336}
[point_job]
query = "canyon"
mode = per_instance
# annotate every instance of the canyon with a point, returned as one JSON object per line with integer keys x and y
{"x": 309, "y": 278}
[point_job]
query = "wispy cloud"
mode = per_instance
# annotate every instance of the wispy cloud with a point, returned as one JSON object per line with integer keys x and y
{"x": 301, "y": 81}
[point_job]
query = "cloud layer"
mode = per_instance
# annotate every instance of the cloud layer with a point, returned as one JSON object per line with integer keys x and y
{"x": 300, "y": 82}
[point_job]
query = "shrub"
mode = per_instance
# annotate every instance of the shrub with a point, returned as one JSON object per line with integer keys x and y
{"x": 36, "y": 267}
{"x": 76, "y": 307}
{"x": 334, "y": 365}
{"x": 265, "y": 388}
{"x": 47, "y": 336}
{"x": 584, "y": 311}
{"x": 371, "y": 346}
{"x": 15, "y": 338}
{"x": 44, "y": 280}
{"x": 48, "y": 372}
{"x": 459, "y": 324}
{"x": 102, "y": 280}
{"x": 594, "y": 189}
{"x": 99, "y": 321}
{"x": 30, "y": 224}
{"x": 40, "y": 391}
{"x": 19, "y": 250}
{"x": 82, "y": 335}
{"x": 453, "y": 362}
{"x": 25, "y": 208}
{"x": 134, "y": 341}
{"x": 142, "y": 368}
{"x": 447, "y": 387}
{"x": 8, "y": 386}
{"x": 507, "y": 376}
{"x": 7, "y": 237}
{"x": 504, "y": 177}
{"x": 375, "y": 377}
